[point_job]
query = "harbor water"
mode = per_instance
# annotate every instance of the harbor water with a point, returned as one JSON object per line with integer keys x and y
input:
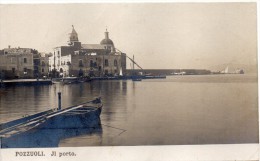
{"x": 210, "y": 109}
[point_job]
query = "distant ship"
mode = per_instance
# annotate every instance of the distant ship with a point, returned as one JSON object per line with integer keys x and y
{"x": 179, "y": 73}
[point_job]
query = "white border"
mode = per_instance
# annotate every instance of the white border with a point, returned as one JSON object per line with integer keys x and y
{"x": 147, "y": 153}
{"x": 114, "y": 1}
{"x": 152, "y": 153}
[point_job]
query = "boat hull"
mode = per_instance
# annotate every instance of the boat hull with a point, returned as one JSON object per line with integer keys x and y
{"x": 86, "y": 115}
{"x": 80, "y": 118}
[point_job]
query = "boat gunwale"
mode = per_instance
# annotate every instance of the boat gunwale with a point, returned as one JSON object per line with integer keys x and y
{"x": 46, "y": 114}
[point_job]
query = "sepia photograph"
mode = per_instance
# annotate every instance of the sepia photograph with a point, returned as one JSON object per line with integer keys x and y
{"x": 84, "y": 75}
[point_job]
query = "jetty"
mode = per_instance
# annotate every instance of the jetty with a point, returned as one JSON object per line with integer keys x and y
{"x": 130, "y": 77}
{"x": 24, "y": 82}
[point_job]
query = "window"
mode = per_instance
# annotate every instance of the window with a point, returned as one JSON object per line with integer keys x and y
{"x": 91, "y": 64}
{"x": 115, "y": 63}
{"x": 42, "y": 70}
{"x": 13, "y": 70}
{"x": 24, "y": 69}
{"x": 80, "y": 63}
{"x": 106, "y": 62}
{"x": 58, "y": 53}
{"x": 43, "y": 63}
{"x": 13, "y": 60}
{"x": 24, "y": 60}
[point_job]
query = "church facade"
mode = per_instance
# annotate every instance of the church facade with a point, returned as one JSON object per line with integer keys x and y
{"x": 77, "y": 59}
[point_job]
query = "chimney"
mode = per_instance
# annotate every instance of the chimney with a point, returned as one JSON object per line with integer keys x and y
{"x": 9, "y": 46}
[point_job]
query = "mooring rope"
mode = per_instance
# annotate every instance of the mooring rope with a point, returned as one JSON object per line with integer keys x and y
{"x": 123, "y": 130}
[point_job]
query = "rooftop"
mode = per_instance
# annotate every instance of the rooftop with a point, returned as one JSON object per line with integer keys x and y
{"x": 92, "y": 46}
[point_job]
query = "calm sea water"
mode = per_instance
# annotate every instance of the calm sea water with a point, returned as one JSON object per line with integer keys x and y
{"x": 213, "y": 109}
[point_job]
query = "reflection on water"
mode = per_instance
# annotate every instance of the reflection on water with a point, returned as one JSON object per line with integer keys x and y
{"x": 46, "y": 137}
{"x": 214, "y": 109}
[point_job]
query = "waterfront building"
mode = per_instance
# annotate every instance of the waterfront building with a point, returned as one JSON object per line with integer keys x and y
{"x": 79, "y": 59}
{"x": 21, "y": 63}
{"x": 43, "y": 65}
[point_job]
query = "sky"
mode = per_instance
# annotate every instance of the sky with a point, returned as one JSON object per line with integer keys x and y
{"x": 159, "y": 35}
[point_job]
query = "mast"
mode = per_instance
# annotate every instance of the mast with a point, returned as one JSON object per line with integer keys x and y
{"x": 133, "y": 62}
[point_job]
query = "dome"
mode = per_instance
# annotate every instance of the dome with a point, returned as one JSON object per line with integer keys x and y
{"x": 107, "y": 42}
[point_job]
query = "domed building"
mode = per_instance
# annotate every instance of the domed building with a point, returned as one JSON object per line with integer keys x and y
{"x": 79, "y": 59}
{"x": 108, "y": 43}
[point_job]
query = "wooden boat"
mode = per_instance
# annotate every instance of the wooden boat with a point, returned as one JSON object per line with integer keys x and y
{"x": 85, "y": 115}
{"x": 39, "y": 138}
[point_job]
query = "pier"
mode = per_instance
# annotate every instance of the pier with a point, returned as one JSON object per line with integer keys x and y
{"x": 129, "y": 77}
{"x": 24, "y": 82}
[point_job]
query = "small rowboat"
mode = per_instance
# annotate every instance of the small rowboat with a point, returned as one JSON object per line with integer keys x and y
{"x": 85, "y": 115}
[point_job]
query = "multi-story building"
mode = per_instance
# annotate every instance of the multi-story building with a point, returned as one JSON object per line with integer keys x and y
{"x": 17, "y": 62}
{"x": 43, "y": 65}
{"x": 78, "y": 59}
{"x": 21, "y": 63}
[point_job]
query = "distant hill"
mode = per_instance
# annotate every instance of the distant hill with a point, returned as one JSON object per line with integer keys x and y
{"x": 232, "y": 67}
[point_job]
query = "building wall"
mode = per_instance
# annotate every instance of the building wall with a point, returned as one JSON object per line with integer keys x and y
{"x": 123, "y": 63}
{"x": 55, "y": 59}
{"x": 112, "y": 67}
{"x": 17, "y": 65}
{"x": 91, "y": 65}
{"x": 44, "y": 66}
{"x": 65, "y": 65}
{"x": 23, "y": 63}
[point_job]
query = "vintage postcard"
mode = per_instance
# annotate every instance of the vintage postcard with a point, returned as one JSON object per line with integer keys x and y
{"x": 129, "y": 81}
